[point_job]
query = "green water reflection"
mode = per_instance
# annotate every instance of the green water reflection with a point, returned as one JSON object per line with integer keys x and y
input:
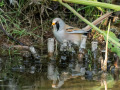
{"x": 48, "y": 76}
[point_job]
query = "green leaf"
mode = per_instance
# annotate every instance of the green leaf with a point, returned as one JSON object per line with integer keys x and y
{"x": 113, "y": 47}
{"x": 1, "y": 3}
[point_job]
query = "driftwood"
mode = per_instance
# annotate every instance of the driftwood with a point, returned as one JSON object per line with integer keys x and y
{"x": 82, "y": 48}
{"x": 83, "y": 42}
{"x": 50, "y": 46}
{"x": 18, "y": 47}
{"x": 94, "y": 50}
{"x": 31, "y": 49}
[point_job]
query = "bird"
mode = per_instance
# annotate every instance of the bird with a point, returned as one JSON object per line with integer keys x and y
{"x": 60, "y": 32}
{"x": 61, "y": 29}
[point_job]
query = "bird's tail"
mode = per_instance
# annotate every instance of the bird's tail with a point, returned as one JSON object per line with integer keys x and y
{"x": 97, "y": 21}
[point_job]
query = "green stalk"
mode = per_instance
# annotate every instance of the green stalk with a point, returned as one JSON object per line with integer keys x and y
{"x": 87, "y": 22}
{"x": 106, "y": 51}
{"x": 93, "y": 3}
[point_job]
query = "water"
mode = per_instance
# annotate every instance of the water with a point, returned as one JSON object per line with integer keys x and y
{"x": 39, "y": 81}
{"x": 45, "y": 74}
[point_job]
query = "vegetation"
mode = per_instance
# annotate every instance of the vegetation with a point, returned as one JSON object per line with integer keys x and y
{"x": 30, "y": 20}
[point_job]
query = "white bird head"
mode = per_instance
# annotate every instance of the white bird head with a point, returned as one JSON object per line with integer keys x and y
{"x": 58, "y": 24}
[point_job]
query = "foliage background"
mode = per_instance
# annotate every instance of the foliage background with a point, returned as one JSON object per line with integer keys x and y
{"x": 30, "y": 20}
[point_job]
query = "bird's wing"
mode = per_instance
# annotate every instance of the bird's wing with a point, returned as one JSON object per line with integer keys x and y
{"x": 71, "y": 29}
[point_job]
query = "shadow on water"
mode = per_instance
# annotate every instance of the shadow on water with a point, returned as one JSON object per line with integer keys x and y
{"x": 64, "y": 73}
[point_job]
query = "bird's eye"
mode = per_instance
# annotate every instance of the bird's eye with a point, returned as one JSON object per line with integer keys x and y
{"x": 57, "y": 26}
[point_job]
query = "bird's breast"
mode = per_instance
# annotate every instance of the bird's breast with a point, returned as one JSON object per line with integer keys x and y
{"x": 59, "y": 35}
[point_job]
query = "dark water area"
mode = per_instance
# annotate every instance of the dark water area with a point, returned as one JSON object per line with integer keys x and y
{"x": 18, "y": 73}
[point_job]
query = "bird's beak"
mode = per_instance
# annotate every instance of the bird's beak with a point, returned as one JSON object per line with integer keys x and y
{"x": 53, "y": 23}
